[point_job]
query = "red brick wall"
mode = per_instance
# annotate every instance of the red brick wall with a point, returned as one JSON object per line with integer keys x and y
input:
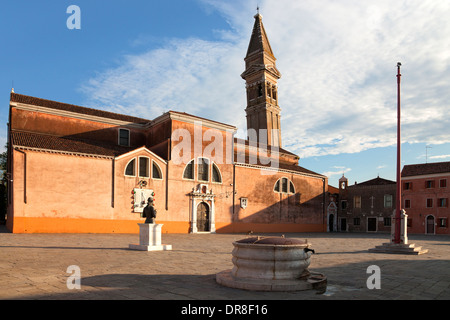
{"x": 418, "y": 194}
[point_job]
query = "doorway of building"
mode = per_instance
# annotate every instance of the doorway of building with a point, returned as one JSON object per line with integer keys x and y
{"x": 430, "y": 225}
{"x": 343, "y": 224}
{"x": 371, "y": 224}
{"x": 331, "y": 223}
{"x": 203, "y": 217}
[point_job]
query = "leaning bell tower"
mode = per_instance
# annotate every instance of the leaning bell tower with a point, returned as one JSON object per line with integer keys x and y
{"x": 261, "y": 76}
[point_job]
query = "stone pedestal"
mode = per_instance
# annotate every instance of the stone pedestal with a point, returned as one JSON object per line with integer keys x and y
{"x": 399, "y": 248}
{"x": 150, "y": 238}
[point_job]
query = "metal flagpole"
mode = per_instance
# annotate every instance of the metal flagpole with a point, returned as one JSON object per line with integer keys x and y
{"x": 399, "y": 178}
{"x": 399, "y": 242}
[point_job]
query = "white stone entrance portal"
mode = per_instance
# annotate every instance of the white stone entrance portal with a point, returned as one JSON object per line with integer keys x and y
{"x": 199, "y": 197}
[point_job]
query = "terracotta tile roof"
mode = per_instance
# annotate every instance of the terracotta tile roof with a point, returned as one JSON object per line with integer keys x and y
{"x": 265, "y": 146}
{"x": 61, "y": 144}
{"x": 332, "y": 189}
{"x": 20, "y": 98}
{"x": 425, "y": 168}
{"x": 197, "y": 117}
{"x": 374, "y": 182}
{"x": 299, "y": 169}
{"x": 281, "y": 166}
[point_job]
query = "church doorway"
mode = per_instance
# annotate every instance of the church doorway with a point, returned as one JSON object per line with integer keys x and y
{"x": 371, "y": 224}
{"x": 332, "y": 214}
{"x": 203, "y": 224}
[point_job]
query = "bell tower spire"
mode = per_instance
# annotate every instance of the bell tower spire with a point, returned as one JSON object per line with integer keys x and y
{"x": 261, "y": 76}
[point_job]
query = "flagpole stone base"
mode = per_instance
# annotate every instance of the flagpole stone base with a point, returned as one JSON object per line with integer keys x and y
{"x": 399, "y": 248}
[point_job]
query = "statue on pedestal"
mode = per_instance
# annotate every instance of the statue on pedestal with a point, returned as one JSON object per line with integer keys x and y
{"x": 149, "y": 212}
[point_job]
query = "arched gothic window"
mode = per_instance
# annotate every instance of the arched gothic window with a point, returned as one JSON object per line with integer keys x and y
{"x": 203, "y": 169}
{"x": 156, "y": 171}
{"x": 189, "y": 171}
{"x": 284, "y": 185}
{"x": 130, "y": 169}
{"x": 216, "y": 176}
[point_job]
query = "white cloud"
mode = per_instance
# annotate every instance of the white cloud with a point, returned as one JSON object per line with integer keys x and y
{"x": 338, "y": 61}
{"x": 441, "y": 157}
{"x": 190, "y": 75}
{"x": 341, "y": 171}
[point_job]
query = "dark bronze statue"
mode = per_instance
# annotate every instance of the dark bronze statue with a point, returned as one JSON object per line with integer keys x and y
{"x": 149, "y": 212}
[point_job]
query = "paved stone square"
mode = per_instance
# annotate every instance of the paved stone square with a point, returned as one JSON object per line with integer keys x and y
{"x": 34, "y": 266}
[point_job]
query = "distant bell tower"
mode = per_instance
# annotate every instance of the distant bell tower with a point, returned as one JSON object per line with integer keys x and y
{"x": 343, "y": 184}
{"x": 261, "y": 76}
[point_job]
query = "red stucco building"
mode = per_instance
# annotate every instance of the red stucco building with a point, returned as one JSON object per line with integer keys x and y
{"x": 425, "y": 196}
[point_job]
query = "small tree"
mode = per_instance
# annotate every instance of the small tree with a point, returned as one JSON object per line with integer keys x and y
{"x": 3, "y": 184}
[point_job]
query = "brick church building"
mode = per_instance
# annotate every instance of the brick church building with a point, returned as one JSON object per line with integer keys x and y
{"x": 73, "y": 169}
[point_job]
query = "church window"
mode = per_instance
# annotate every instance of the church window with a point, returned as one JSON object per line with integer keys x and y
{"x": 144, "y": 167}
{"x": 274, "y": 93}
{"x": 124, "y": 137}
{"x": 284, "y": 185}
{"x": 260, "y": 90}
{"x": 130, "y": 168}
{"x": 357, "y": 202}
{"x": 156, "y": 171}
{"x": 277, "y": 186}
{"x": 216, "y": 176}
{"x": 189, "y": 171}
{"x": 203, "y": 169}
{"x": 271, "y": 119}
{"x": 291, "y": 187}
{"x": 388, "y": 200}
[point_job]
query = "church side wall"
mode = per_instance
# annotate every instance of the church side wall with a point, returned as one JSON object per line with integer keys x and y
{"x": 270, "y": 211}
{"x": 59, "y": 193}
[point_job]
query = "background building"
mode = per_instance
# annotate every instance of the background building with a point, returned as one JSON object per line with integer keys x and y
{"x": 425, "y": 195}
{"x": 366, "y": 206}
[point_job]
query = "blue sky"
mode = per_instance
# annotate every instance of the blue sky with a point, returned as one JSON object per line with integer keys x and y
{"x": 337, "y": 59}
